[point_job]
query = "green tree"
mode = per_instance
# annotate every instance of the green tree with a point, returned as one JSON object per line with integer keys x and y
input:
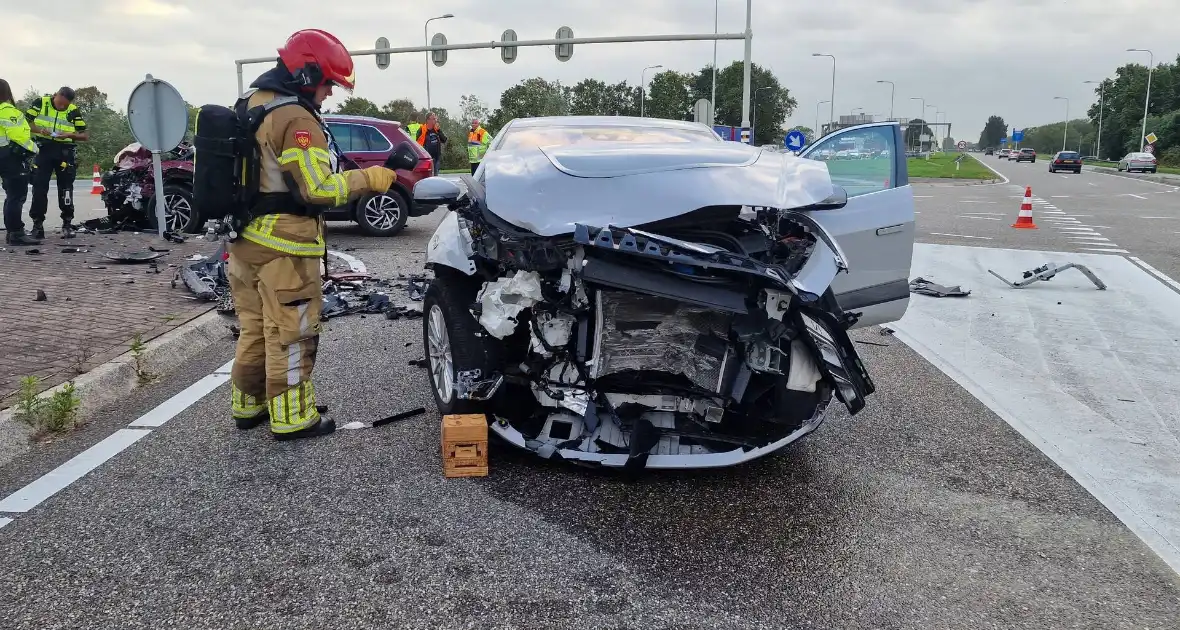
{"x": 356, "y": 106}
{"x": 401, "y": 110}
{"x": 471, "y": 107}
{"x": 591, "y": 97}
{"x": 913, "y": 132}
{"x": 774, "y": 105}
{"x": 995, "y": 130}
{"x": 669, "y": 95}
{"x": 531, "y": 98}
{"x": 31, "y": 95}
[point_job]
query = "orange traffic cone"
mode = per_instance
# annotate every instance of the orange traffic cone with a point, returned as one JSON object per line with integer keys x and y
{"x": 1025, "y": 220}
{"x": 96, "y": 186}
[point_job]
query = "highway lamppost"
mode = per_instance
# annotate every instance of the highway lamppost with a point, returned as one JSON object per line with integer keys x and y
{"x": 1146, "y": 99}
{"x": 921, "y": 114}
{"x": 1066, "y": 134}
{"x": 426, "y": 40}
{"x": 832, "y": 102}
{"x": 1101, "y": 106}
{"x": 713, "y": 98}
{"x": 932, "y": 134}
{"x": 892, "y": 91}
{"x": 817, "y": 127}
{"x": 643, "y": 87}
{"x": 754, "y": 121}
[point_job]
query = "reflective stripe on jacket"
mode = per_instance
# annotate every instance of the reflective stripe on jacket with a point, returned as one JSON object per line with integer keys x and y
{"x": 477, "y": 144}
{"x": 14, "y": 129}
{"x": 44, "y": 115}
{"x": 296, "y": 159}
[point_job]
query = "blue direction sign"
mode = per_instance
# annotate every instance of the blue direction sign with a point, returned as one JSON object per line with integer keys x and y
{"x": 1004, "y": 140}
{"x": 1017, "y": 135}
{"x": 795, "y": 140}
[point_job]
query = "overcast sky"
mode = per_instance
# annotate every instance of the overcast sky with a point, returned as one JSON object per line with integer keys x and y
{"x": 970, "y": 58}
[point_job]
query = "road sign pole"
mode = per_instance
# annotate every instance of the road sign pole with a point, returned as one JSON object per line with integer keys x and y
{"x": 746, "y": 76}
{"x": 158, "y": 118}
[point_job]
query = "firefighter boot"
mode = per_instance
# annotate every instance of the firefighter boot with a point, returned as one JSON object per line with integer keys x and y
{"x": 38, "y": 232}
{"x": 245, "y": 424}
{"x": 325, "y": 426}
{"x": 67, "y": 230}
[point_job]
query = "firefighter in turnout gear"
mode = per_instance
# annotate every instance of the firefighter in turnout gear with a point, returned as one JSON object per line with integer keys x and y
{"x": 57, "y": 125}
{"x": 274, "y": 265}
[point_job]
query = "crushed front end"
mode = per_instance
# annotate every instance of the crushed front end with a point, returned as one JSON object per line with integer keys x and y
{"x": 701, "y": 341}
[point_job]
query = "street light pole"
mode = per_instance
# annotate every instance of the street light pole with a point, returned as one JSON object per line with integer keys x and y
{"x": 746, "y": 65}
{"x": 832, "y": 102}
{"x": 643, "y": 88}
{"x": 892, "y": 91}
{"x": 713, "y": 98}
{"x": 1101, "y": 106}
{"x": 1146, "y": 99}
{"x": 1065, "y": 135}
{"x": 426, "y": 40}
{"x": 932, "y": 134}
{"x": 817, "y": 127}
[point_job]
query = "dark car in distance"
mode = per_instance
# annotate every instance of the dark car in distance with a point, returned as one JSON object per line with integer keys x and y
{"x": 1066, "y": 161}
{"x": 1026, "y": 155}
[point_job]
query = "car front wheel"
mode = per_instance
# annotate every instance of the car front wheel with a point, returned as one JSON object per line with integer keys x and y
{"x": 383, "y": 214}
{"x": 454, "y": 340}
{"x": 179, "y": 215}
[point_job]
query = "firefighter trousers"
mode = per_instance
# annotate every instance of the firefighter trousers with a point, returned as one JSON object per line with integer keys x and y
{"x": 278, "y": 298}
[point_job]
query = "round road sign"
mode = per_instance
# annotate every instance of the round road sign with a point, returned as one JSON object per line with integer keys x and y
{"x": 157, "y": 115}
{"x": 439, "y": 57}
{"x": 382, "y": 58}
{"x": 1150, "y": 149}
{"x": 564, "y": 51}
{"x": 962, "y": 144}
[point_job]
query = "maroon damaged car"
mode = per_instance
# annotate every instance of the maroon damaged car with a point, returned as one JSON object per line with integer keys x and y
{"x": 128, "y": 189}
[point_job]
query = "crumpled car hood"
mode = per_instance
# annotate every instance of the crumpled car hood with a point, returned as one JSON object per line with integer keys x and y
{"x": 548, "y": 190}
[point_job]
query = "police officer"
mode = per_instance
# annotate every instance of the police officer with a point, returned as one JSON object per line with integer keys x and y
{"x": 274, "y": 268}
{"x": 57, "y": 125}
{"x": 16, "y": 152}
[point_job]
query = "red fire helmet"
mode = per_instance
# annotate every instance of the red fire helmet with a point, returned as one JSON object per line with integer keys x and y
{"x": 316, "y": 57}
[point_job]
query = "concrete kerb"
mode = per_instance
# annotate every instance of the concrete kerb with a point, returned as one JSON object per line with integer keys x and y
{"x": 113, "y": 380}
{"x": 1156, "y": 178}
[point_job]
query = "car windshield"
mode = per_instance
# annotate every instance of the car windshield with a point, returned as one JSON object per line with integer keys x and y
{"x": 1069, "y": 155}
{"x": 531, "y": 137}
{"x": 1028, "y": 151}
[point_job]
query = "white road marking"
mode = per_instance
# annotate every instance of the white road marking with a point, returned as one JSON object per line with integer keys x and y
{"x": 922, "y": 196}
{"x": 1109, "y": 251}
{"x": 1089, "y": 238}
{"x": 986, "y": 238}
{"x": 55, "y": 480}
{"x": 1059, "y": 196}
{"x": 1092, "y": 183}
{"x": 982, "y": 218}
{"x": 1055, "y": 373}
{"x": 1075, "y": 229}
{"x": 1156, "y": 272}
{"x": 1135, "y": 196}
{"x": 5, "y": 521}
{"x": 994, "y": 214}
{"x": 168, "y": 409}
{"x": 1157, "y": 217}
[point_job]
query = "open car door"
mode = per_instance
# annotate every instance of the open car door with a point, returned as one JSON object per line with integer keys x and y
{"x": 876, "y": 228}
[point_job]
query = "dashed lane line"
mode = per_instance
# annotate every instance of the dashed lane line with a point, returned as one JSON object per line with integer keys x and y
{"x": 1161, "y": 276}
{"x": 986, "y": 238}
{"x": 1105, "y": 251}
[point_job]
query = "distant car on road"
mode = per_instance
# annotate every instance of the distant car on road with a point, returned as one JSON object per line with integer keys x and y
{"x": 989, "y": 151}
{"x": 1026, "y": 155}
{"x": 1003, "y": 153}
{"x": 1138, "y": 162}
{"x": 1066, "y": 161}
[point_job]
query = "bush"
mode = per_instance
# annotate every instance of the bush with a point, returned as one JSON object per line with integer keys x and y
{"x": 1171, "y": 157}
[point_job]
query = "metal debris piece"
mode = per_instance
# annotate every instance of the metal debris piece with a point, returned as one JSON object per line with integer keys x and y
{"x": 132, "y": 257}
{"x": 1047, "y": 271}
{"x": 469, "y": 385}
{"x": 41, "y": 297}
{"x": 417, "y": 288}
{"x": 926, "y": 287}
{"x": 400, "y": 416}
{"x": 33, "y": 252}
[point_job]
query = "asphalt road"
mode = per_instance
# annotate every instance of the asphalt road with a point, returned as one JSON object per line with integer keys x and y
{"x": 86, "y": 205}
{"x": 924, "y": 511}
{"x": 1089, "y": 212}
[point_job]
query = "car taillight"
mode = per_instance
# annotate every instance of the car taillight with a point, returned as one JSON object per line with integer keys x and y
{"x": 425, "y": 165}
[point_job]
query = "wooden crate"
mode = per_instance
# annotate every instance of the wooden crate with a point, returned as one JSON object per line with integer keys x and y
{"x": 465, "y": 445}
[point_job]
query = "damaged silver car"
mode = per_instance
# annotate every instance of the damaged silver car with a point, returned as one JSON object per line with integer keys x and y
{"x": 638, "y": 293}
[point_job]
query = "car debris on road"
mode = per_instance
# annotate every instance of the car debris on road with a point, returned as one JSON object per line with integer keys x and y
{"x": 1047, "y": 272}
{"x": 925, "y": 287}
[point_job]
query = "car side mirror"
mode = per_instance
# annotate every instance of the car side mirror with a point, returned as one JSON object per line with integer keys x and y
{"x": 838, "y": 199}
{"x": 404, "y": 157}
{"x": 436, "y": 191}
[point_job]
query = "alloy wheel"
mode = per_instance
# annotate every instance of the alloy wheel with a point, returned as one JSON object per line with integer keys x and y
{"x": 442, "y": 365}
{"x": 382, "y": 212}
{"x": 178, "y": 212}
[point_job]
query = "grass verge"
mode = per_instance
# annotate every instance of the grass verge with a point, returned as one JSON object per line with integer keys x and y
{"x": 1171, "y": 170}
{"x": 942, "y": 166}
{"x": 454, "y": 171}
